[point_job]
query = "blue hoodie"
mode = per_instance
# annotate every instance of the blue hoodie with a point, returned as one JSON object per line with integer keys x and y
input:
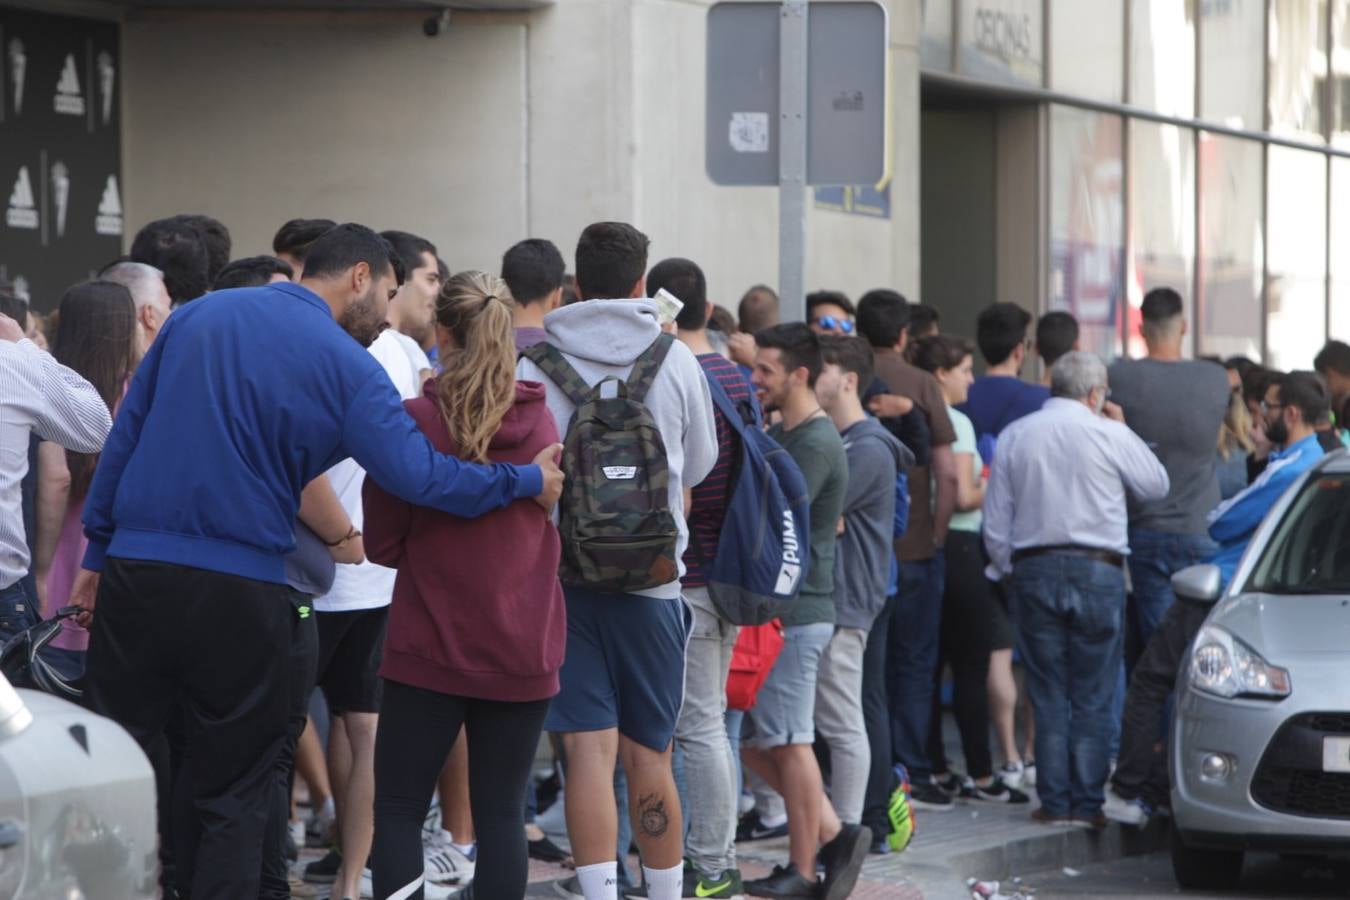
{"x": 244, "y": 398}
{"x": 1233, "y": 522}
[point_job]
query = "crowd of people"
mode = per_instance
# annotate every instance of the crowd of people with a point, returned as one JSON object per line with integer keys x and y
{"x": 470, "y": 509}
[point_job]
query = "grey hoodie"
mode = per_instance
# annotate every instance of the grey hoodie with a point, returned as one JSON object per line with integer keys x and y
{"x": 605, "y": 337}
{"x": 862, "y": 559}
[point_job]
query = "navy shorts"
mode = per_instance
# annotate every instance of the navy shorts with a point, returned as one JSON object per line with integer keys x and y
{"x": 624, "y": 666}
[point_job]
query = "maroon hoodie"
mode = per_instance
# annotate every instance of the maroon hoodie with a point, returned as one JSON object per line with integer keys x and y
{"x": 478, "y": 609}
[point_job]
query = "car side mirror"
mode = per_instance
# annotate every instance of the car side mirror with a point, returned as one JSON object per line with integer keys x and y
{"x": 1202, "y": 584}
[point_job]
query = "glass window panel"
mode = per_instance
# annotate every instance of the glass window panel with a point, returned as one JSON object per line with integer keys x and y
{"x": 1298, "y": 67}
{"x": 935, "y": 47}
{"x": 1087, "y": 46}
{"x": 1232, "y": 246}
{"x": 1162, "y": 56}
{"x": 1340, "y": 241}
{"x": 1162, "y": 219}
{"x": 1000, "y": 40}
{"x": 1296, "y": 196}
{"x": 1232, "y": 38}
{"x": 1086, "y": 218}
{"x": 1340, "y": 73}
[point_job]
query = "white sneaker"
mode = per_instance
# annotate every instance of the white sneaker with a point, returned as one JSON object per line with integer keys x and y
{"x": 430, "y": 891}
{"x": 1127, "y": 812}
{"x": 446, "y": 865}
{"x": 744, "y": 803}
{"x": 1013, "y": 774}
{"x": 298, "y": 833}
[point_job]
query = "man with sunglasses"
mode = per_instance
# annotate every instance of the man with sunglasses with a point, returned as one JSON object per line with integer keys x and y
{"x": 829, "y": 312}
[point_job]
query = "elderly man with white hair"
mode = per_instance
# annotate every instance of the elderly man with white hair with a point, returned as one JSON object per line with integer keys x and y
{"x": 146, "y": 285}
{"x": 1055, "y": 527}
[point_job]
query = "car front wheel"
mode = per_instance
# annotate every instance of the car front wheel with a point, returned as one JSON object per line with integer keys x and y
{"x": 1202, "y": 869}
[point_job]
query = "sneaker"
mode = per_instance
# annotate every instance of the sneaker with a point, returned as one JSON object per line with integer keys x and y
{"x": 927, "y": 795}
{"x": 569, "y": 888}
{"x": 725, "y": 886}
{"x": 843, "y": 858}
{"x": 430, "y": 891}
{"x": 744, "y": 803}
{"x": 997, "y": 791}
{"x": 783, "y": 881}
{"x": 1045, "y": 818}
{"x": 1127, "y": 812}
{"x": 901, "y": 816}
{"x": 752, "y": 828}
{"x": 1013, "y": 774}
{"x": 545, "y": 850}
{"x": 950, "y": 785}
{"x": 446, "y": 865}
{"x": 298, "y": 832}
{"x": 431, "y": 823}
{"x": 1028, "y": 775}
{"x": 321, "y": 828}
{"x": 324, "y": 871}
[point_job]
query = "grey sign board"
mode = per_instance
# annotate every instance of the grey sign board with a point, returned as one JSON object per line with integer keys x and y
{"x": 845, "y": 95}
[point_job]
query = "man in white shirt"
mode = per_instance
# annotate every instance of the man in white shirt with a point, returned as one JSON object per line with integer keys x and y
{"x": 1055, "y": 525}
{"x": 39, "y": 396}
{"x": 412, "y": 312}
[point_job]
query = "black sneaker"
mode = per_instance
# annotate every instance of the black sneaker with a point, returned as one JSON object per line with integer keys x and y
{"x": 951, "y": 785}
{"x": 752, "y": 829}
{"x": 325, "y": 870}
{"x": 927, "y": 795}
{"x": 994, "y": 792}
{"x": 843, "y": 858}
{"x": 783, "y": 882}
{"x": 545, "y": 850}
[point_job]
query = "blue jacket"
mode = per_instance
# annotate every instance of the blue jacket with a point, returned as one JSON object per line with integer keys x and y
{"x": 1233, "y": 522}
{"x": 244, "y": 398}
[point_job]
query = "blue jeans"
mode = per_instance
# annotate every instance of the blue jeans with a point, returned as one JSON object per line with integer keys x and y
{"x": 911, "y": 666}
{"x": 1070, "y": 614}
{"x": 18, "y": 611}
{"x": 1155, "y": 556}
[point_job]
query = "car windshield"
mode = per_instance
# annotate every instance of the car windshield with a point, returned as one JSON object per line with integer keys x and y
{"x": 1310, "y": 550}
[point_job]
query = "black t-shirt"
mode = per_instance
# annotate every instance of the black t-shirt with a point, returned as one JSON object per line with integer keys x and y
{"x": 910, "y": 429}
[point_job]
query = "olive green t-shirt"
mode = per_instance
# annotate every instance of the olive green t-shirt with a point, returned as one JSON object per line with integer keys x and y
{"x": 818, "y": 450}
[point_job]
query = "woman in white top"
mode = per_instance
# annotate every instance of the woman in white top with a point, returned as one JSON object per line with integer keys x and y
{"x": 974, "y": 626}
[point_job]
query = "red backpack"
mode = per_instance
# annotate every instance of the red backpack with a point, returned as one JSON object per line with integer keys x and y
{"x": 757, "y": 648}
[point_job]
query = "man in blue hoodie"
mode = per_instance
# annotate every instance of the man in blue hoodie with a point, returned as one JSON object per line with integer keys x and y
{"x": 246, "y": 396}
{"x": 1292, "y": 407}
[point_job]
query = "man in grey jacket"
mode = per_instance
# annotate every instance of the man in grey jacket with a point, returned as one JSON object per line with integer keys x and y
{"x": 622, "y": 680}
{"x": 861, "y": 565}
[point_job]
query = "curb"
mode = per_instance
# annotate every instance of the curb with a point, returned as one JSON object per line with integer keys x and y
{"x": 1061, "y": 848}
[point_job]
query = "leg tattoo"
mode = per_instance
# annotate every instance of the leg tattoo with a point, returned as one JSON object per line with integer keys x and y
{"x": 652, "y": 815}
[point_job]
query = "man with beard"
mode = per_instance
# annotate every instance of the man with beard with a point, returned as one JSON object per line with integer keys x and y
{"x": 412, "y": 311}
{"x": 244, "y": 399}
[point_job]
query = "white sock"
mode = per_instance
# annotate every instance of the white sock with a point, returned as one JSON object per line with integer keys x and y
{"x": 466, "y": 849}
{"x": 600, "y": 881}
{"x": 773, "y": 821}
{"x": 663, "y": 884}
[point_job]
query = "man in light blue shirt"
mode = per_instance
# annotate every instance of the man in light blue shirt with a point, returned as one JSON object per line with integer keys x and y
{"x": 1055, "y": 525}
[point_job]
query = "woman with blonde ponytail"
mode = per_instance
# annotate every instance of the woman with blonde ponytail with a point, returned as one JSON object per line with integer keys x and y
{"x": 477, "y": 627}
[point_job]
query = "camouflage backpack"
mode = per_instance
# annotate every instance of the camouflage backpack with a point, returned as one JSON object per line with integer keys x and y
{"x": 618, "y": 532}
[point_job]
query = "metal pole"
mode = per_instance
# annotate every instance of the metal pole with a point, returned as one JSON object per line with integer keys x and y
{"x": 793, "y": 18}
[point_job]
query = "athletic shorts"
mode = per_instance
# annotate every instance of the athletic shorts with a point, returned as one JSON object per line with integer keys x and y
{"x": 624, "y": 666}
{"x": 351, "y": 646}
{"x": 785, "y": 708}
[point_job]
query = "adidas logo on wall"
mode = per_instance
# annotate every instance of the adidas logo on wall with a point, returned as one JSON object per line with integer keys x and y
{"x": 109, "y": 219}
{"x": 69, "y": 100}
{"x": 22, "y": 211}
{"x": 107, "y": 80}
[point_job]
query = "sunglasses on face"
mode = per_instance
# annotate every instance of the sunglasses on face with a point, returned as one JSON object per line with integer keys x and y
{"x": 830, "y": 323}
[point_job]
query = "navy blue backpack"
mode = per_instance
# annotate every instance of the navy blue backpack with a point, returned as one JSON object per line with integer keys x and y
{"x": 764, "y": 549}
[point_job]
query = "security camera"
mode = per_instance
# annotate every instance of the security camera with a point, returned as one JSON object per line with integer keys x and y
{"x": 436, "y": 24}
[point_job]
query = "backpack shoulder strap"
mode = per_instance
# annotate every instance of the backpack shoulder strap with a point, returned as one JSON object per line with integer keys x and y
{"x": 645, "y": 368}
{"x": 553, "y": 364}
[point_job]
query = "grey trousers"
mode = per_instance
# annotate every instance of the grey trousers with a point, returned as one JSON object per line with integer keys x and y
{"x": 701, "y": 734}
{"x": 839, "y": 721}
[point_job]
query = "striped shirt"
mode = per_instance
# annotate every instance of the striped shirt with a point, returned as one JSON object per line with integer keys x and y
{"x": 714, "y": 492}
{"x": 38, "y": 395}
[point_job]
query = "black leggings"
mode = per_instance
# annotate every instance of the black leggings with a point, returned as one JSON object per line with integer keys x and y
{"x": 416, "y": 731}
{"x": 969, "y": 618}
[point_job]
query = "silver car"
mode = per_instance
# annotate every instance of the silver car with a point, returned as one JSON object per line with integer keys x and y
{"x": 1260, "y": 747}
{"x": 77, "y": 804}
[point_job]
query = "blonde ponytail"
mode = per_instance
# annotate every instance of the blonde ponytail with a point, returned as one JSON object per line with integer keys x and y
{"x": 477, "y": 384}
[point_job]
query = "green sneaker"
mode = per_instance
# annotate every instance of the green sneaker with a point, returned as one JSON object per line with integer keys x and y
{"x": 724, "y": 886}
{"x": 901, "y": 816}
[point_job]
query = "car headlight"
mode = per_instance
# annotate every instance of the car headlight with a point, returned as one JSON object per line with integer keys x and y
{"x": 1223, "y": 665}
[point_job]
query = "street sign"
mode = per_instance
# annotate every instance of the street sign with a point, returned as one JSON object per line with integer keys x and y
{"x": 845, "y": 92}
